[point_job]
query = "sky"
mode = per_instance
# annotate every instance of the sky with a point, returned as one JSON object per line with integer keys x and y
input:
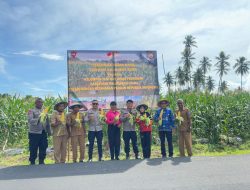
{"x": 35, "y": 36}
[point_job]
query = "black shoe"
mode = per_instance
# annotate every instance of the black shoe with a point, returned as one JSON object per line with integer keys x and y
{"x": 81, "y": 161}
{"x": 117, "y": 158}
{"x": 112, "y": 159}
{"x": 32, "y": 163}
{"x": 127, "y": 157}
{"x": 100, "y": 160}
{"x": 137, "y": 157}
{"x": 41, "y": 163}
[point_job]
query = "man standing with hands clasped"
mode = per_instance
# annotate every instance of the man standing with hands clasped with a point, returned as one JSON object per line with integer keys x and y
{"x": 128, "y": 122}
{"x": 183, "y": 116}
{"x": 165, "y": 119}
{"x": 94, "y": 118}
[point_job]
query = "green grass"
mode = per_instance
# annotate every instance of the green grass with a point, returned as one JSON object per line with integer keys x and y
{"x": 198, "y": 150}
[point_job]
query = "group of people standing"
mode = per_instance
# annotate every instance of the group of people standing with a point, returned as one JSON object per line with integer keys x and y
{"x": 73, "y": 126}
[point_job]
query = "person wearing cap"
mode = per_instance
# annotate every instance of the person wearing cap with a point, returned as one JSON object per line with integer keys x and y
{"x": 75, "y": 121}
{"x": 145, "y": 123}
{"x": 128, "y": 123}
{"x": 183, "y": 117}
{"x": 165, "y": 119}
{"x": 39, "y": 129}
{"x": 114, "y": 133}
{"x": 60, "y": 132}
{"x": 94, "y": 117}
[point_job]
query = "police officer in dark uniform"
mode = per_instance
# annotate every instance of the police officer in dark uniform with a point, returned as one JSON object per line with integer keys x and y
{"x": 39, "y": 127}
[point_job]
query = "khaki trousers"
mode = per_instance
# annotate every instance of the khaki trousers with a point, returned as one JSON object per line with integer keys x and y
{"x": 185, "y": 140}
{"x": 78, "y": 140}
{"x": 60, "y": 148}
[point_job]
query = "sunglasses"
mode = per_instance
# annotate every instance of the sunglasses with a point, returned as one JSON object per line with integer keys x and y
{"x": 94, "y": 103}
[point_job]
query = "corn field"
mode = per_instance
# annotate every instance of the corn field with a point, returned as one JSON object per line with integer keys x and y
{"x": 213, "y": 115}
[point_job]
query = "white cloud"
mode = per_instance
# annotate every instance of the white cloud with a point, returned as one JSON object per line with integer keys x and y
{"x": 28, "y": 53}
{"x": 41, "y": 89}
{"x": 53, "y": 57}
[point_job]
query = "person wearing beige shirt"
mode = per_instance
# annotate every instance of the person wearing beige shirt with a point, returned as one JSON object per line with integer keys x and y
{"x": 60, "y": 132}
{"x": 183, "y": 116}
{"x": 75, "y": 121}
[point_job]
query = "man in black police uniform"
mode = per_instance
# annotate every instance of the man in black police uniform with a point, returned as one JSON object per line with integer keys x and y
{"x": 38, "y": 128}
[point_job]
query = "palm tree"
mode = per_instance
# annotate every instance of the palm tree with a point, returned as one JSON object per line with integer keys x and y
{"x": 189, "y": 41}
{"x": 210, "y": 84}
{"x": 205, "y": 65}
{"x": 169, "y": 80}
{"x": 224, "y": 86}
{"x": 242, "y": 67}
{"x": 180, "y": 76}
{"x": 187, "y": 59}
{"x": 198, "y": 78}
{"x": 222, "y": 66}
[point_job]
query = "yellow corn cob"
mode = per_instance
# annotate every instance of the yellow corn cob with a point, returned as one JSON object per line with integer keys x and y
{"x": 160, "y": 117}
{"x": 78, "y": 120}
{"x": 43, "y": 115}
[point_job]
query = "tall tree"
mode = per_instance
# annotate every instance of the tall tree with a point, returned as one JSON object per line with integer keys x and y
{"x": 198, "y": 78}
{"x": 205, "y": 65}
{"x": 241, "y": 68}
{"x": 189, "y": 41}
{"x": 188, "y": 57}
{"x": 222, "y": 66}
{"x": 180, "y": 76}
{"x": 169, "y": 80}
{"x": 223, "y": 86}
{"x": 210, "y": 84}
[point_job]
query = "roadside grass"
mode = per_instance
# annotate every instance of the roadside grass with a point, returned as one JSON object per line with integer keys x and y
{"x": 198, "y": 150}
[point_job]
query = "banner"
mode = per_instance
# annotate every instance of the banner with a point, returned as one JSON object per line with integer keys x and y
{"x": 112, "y": 76}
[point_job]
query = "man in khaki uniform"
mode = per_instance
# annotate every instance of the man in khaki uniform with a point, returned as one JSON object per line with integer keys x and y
{"x": 75, "y": 121}
{"x": 60, "y": 132}
{"x": 183, "y": 115}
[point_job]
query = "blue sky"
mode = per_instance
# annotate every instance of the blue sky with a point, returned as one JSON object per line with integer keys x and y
{"x": 35, "y": 35}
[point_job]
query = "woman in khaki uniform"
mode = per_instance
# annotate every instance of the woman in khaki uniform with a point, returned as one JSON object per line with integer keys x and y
{"x": 183, "y": 116}
{"x": 75, "y": 121}
{"x": 60, "y": 132}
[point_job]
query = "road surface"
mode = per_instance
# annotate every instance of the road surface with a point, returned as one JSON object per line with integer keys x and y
{"x": 197, "y": 173}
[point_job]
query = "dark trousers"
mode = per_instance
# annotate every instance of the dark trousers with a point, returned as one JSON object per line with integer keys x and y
{"x": 146, "y": 143}
{"x": 127, "y": 135}
{"x": 114, "y": 136}
{"x": 91, "y": 137}
{"x": 163, "y": 135}
{"x": 38, "y": 141}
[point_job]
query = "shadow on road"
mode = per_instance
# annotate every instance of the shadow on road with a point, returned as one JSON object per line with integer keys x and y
{"x": 178, "y": 160}
{"x": 174, "y": 161}
{"x": 59, "y": 170}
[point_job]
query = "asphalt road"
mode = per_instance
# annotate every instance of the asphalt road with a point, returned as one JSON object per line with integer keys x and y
{"x": 197, "y": 173}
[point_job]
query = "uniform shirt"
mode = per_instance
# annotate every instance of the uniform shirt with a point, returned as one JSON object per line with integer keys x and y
{"x": 59, "y": 130}
{"x": 167, "y": 119}
{"x": 35, "y": 126}
{"x": 95, "y": 124}
{"x": 126, "y": 123}
{"x": 110, "y": 117}
{"x": 76, "y": 128}
{"x": 186, "y": 115}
